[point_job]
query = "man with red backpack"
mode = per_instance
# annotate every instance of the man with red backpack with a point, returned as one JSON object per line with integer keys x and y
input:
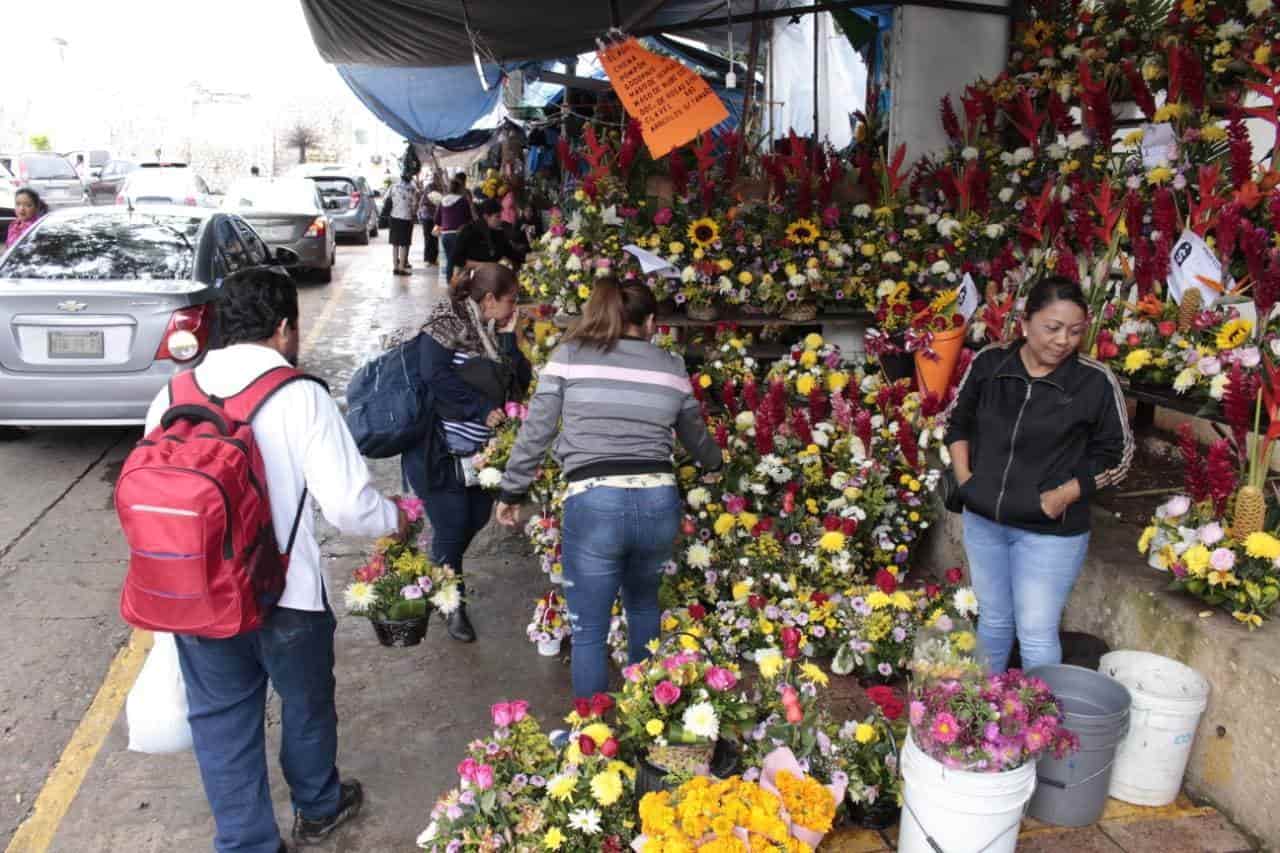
{"x": 245, "y": 409}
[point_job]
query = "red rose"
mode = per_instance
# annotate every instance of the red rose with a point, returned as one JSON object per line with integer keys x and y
{"x": 819, "y": 598}
{"x": 957, "y": 321}
{"x": 689, "y": 527}
{"x": 1167, "y": 328}
{"x": 1106, "y": 349}
{"x": 954, "y": 575}
{"x": 887, "y": 582}
{"x": 932, "y": 590}
{"x": 609, "y": 748}
{"x": 755, "y": 602}
{"x": 582, "y": 707}
{"x": 918, "y": 305}
{"x": 849, "y": 526}
{"x": 586, "y": 745}
{"x": 831, "y": 522}
{"x": 1133, "y": 340}
{"x": 795, "y": 356}
{"x": 888, "y": 702}
{"x": 601, "y": 704}
{"x": 899, "y": 309}
{"x": 697, "y": 612}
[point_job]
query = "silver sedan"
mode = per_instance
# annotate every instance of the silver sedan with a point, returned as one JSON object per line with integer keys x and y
{"x": 288, "y": 212}
{"x": 101, "y": 307}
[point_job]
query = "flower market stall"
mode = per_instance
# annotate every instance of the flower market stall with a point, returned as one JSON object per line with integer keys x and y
{"x": 1114, "y": 150}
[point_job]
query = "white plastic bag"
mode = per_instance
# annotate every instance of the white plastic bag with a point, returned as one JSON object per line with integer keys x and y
{"x": 156, "y": 708}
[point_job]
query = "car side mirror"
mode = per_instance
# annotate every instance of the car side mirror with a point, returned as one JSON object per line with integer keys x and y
{"x": 95, "y": 172}
{"x": 286, "y": 257}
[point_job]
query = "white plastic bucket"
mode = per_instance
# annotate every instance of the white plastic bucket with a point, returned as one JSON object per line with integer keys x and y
{"x": 955, "y": 811}
{"x": 549, "y": 648}
{"x": 1168, "y": 699}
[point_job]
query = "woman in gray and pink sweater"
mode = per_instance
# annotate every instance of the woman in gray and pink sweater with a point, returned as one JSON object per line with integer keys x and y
{"x": 615, "y": 400}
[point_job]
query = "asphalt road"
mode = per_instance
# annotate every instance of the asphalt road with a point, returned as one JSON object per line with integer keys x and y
{"x": 406, "y": 715}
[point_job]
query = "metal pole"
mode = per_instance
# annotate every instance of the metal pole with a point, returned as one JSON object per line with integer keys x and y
{"x": 817, "y": 23}
{"x": 752, "y": 61}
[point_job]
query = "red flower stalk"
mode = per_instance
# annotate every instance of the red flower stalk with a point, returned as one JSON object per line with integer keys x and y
{"x": 1241, "y": 151}
{"x": 1164, "y": 212}
{"x": 950, "y": 121}
{"x": 1143, "y": 271}
{"x": 751, "y": 394}
{"x": 631, "y": 142}
{"x": 1138, "y": 87}
{"x": 1266, "y": 290}
{"x": 907, "y": 441}
{"x": 1096, "y": 105}
{"x": 977, "y": 188}
{"x": 722, "y": 435}
{"x": 800, "y": 427}
{"x": 1273, "y": 209}
{"x": 776, "y": 402}
{"x": 1026, "y": 119}
{"x": 1083, "y": 232}
{"x": 1238, "y": 403}
{"x": 1222, "y": 472}
{"x": 1067, "y": 266}
{"x": 1227, "y": 231}
{"x": 1059, "y": 112}
{"x": 1194, "y": 479}
{"x": 1175, "y": 72}
{"x": 679, "y": 172}
{"x": 1192, "y": 77}
{"x": 704, "y": 154}
{"x": 1133, "y": 217}
{"x": 729, "y": 397}
{"x": 764, "y": 435}
{"x": 818, "y": 405}
{"x": 862, "y": 428}
{"x": 1254, "y": 244}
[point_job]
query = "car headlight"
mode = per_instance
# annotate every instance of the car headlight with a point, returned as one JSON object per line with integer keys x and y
{"x": 183, "y": 345}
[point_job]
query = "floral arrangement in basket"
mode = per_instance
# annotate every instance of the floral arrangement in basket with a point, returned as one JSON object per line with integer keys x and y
{"x": 868, "y": 749}
{"x": 674, "y": 707}
{"x": 550, "y": 622}
{"x": 398, "y": 582}
{"x": 988, "y": 724}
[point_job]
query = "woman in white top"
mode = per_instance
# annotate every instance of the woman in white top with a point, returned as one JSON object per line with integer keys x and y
{"x": 404, "y": 205}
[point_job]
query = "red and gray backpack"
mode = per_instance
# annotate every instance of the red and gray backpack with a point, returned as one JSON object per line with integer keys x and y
{"x": 192, "y": 500}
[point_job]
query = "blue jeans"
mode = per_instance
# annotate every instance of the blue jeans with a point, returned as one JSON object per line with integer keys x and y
{"x": 227, "y": 696}
{"x": 448, "y": 242}
{"x": 615, "y": 539}
{"x": 1022, "y": 581}
{"x": 456, "y": 516}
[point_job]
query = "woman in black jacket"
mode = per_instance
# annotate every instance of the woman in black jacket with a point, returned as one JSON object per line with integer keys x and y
{"x": 484, "y": 241}
{"x": 1036, "y": 429}
{"x": 471, "y": 367}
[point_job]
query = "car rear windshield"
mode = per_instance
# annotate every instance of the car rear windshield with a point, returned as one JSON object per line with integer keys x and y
{"x": 333, "y": 187}
{"x": 288, "y": 197}
{"x": 44, "y": 167}
{"x": 104, "y": 246}
{"x": 169, "y": 182}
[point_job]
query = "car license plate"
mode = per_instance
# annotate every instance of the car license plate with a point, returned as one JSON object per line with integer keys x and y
{"x": 76, "y": 345}
{"x": 280, "y": 234}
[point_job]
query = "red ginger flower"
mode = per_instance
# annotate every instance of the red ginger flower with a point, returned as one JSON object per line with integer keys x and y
{"x": 1238, "y": 404}
{"x": 950, "y": 121}
{"x": 1138, "y": 87}
{"x": 1241, "y": 151}
{"x": 1222, "y": 472}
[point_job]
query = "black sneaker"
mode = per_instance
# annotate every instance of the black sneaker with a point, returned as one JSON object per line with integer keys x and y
{"x": 307, "y": 830}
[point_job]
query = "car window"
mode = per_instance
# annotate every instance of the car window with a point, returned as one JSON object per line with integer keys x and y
{"x": 234, "y": 255}
{"x": 105, "y": 246}
{"x": 45, "y": 167}
{"x": 285, "y": 196}
{"x": 335, "y": 187}
{"x": 259, "y": 254}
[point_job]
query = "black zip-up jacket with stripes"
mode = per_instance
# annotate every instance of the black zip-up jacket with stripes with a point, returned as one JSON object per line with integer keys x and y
{"x": 1028, "y": 435}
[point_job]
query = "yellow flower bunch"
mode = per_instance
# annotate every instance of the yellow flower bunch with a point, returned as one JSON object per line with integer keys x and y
{"x": 807, "y": 801}
{"x": 680, "y": 820}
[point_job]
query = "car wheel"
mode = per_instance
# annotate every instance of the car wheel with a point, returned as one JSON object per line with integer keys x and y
{"x": 362, "y": 239}
{"x": 373, "y": 229}
{"x": 324, "y": 276}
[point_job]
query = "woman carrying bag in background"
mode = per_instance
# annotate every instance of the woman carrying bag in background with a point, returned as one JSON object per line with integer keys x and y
{"x": 622, "y": 401}
{"x": 470, "y": 367}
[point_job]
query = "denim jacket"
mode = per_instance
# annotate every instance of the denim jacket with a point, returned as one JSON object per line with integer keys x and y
{"x": 429, "y": 467}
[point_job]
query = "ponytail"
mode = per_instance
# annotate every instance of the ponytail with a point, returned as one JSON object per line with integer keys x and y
{"x": 475, "y": 280}
{"x": 611, "y": 309}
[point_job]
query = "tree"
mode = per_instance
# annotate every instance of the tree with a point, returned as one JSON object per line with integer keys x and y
{"x": 303, "y": 136}
{"x": 40, "y": 142}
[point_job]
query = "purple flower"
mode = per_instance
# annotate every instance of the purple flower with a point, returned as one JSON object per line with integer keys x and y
{"x": 899, "y": 634}
{"x": 885, "y": 669}
{"x": 425, "y": 583}
{"x": 792, "y": 296}
{"x": 680, "y": 298}
{"x": 795, "y": 539}
{"x": 771, "y": 612}
{"x": 537, "y": 781}
{"x": 411, "y": 592}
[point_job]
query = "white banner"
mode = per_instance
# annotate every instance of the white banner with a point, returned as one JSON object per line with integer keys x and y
{"x": 1194, "y": 265}
{"x": 968, "y": 299}
{"x": 649, "y": 262}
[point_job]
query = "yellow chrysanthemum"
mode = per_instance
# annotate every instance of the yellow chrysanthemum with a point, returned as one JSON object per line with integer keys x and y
{"x": 1262, "y": 545}
{"x": 836, "y": 382}
{"x": 704, "y": 232}
{"x": 654, "y": 727}
{"x": 1159, "y": 175}
{"x": 814, "y": 674}
{"x": 554, "y": 839}
{"x": 803, "y": 232}
{"x": 864, "y": 733}
{"x": 1197, "y": 560}
{"x": 1235, "y": 333}
{"x": 606, "y": 788}
{"x": 831, "y": 541}
{"x": 1144, "y": 541}
{"x": 813, "y": 341}
{"x": 1136, "y": 360}
{"x": 804, "y": 385}
{"x": 724, "y": 524}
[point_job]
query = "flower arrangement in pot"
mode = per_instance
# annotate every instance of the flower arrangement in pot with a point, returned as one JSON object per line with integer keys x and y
{"x": 936, "y": 336}
{"x": 674, "y": 708}
{"x": 398, "y": 587}
{"x": 550, "y": 624}
{"x": 868, "y": 751}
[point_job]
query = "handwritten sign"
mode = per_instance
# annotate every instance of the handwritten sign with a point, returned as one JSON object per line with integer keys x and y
{"x": 1159, "y": 145}
{"x": 1194, "y": 266}
{"x": 672, "y": 103}
{"x": 968, "y": 299}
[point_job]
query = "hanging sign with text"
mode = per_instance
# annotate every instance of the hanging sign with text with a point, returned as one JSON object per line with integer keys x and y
{"x": 671, "y": 102}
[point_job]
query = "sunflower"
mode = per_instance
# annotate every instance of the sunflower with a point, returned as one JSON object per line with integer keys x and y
{"x": 704, "y": 232}
{"x": 802, "y": 231}
{"x": 943, "y": 301}
{"x": 1234, "y": 333}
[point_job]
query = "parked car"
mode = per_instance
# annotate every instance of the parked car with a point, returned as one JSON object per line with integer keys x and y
{"x": 147, "y": 185}
{"x": 104, "y": 188}
{"x": 8, "y": 189}
{"x": 288, "y": 212}
{"x": 102, "y": 306}
{"x": 95, "y": 160}
{"x": 51, "y": 175}
{"x": 347, "y": 199}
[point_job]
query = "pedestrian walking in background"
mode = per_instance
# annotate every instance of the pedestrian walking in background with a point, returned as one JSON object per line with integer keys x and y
{"x": 616, "y": 401}
{"x": 28, "y": 208}
{"x": 484, "y": 240}
{"x": 1036, "y": 429}
{"x": 404, "y": 206}
{"x": 309, "y": 456}
{"x": 453, "y": 214}
{"x": 473, "y": 367}
{"x": 427, "y": 207}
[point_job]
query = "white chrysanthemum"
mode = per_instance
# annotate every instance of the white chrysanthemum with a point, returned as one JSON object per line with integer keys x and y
{"x": 573, "y": 264}
{"x": 359, "y": 596}
{"x": 698, "y": 556}
{"x": 965, "y": 601}
{"x": 1185, "y": 381}
{"x": 698, "y": 497}
{"x": 688, "y": 274}
{"x": 1218, "y": 386}
{"x": 1077, "y": 140}
{"x": 891, "y": 257}
{"x": 994, "y": 231}
{"x": 447, "y": 599}
{"x": 969, "y": 153}
{"x": 586, "y": 821}
{"x": 1230, "y": 29}
{"x": 1057, "y": 151}
{"x": 862, "y": 211}
{"x": 948, "y": 226}
{"x": 745, "y": 421}
{"x": 940, "y": 268}
{"x": 1258, "y": 8}
{"x": 489, "y": 477}
{"x": 701, "y": 720}
{"x": 1005, "y": 195}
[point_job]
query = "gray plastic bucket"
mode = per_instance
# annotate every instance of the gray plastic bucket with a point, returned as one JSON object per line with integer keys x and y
{"x": 1073, "y": 791}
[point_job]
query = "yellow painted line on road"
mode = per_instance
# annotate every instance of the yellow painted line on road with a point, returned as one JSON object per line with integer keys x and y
{"x": 318, "y": 327}
{"x": 37, "y": 831}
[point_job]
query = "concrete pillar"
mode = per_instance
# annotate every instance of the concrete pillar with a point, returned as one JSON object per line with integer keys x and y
{"x": 938, "y": 52}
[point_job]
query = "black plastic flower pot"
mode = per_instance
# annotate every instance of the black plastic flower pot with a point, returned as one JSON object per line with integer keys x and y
{"x": 882, "y": 814}
{"x": 400, "y": 633}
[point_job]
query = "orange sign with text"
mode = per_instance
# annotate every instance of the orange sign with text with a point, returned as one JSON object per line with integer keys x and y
{"x": 672, "y": 103}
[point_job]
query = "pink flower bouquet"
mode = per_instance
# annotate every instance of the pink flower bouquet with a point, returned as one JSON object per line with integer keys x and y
{"x": 989, "y": 724}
